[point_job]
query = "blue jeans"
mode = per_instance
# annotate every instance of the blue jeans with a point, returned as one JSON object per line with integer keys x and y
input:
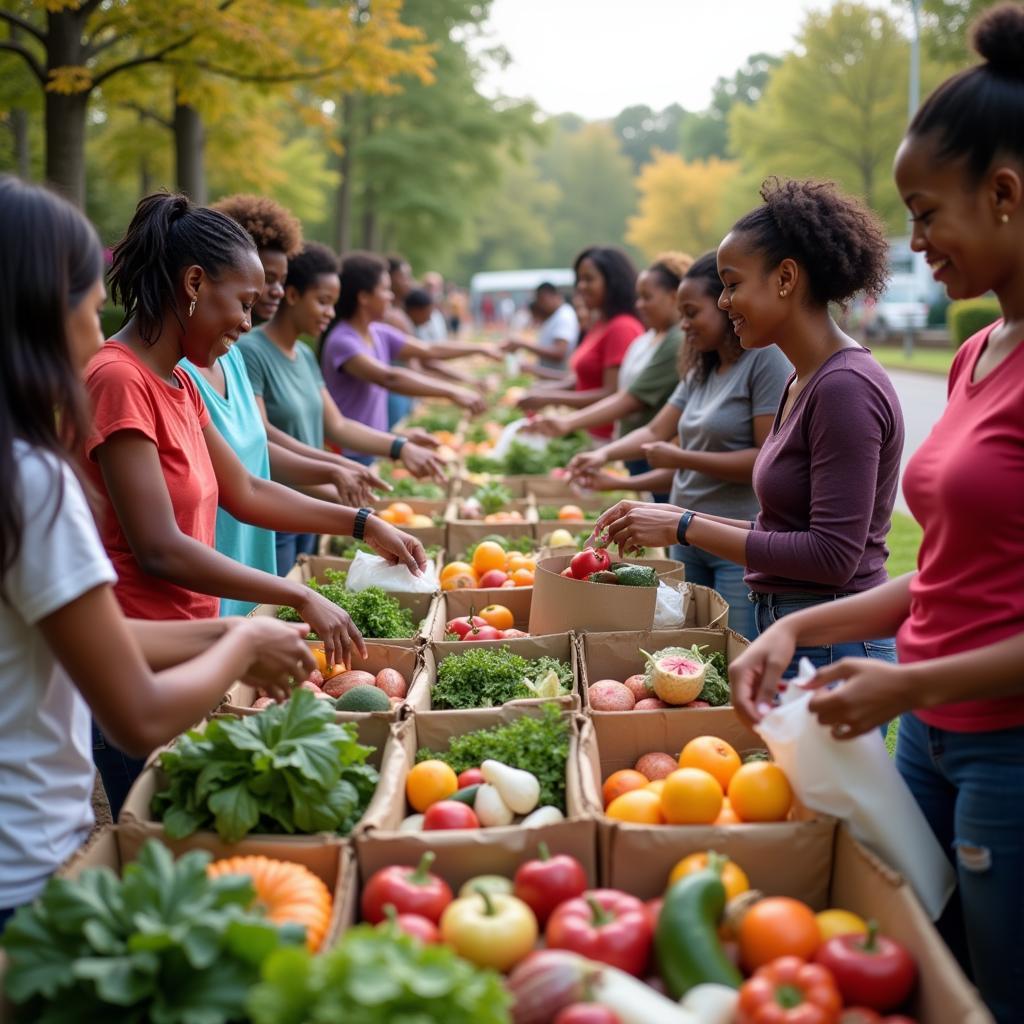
{"x": 399, "y": 406}
{"x": 289, "y": 546}
{"x": 724, "y": 576}
{"x": 117, "y": 770}
{"x": 969, "y": 785}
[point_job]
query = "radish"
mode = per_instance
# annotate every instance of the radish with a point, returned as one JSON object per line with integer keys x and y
{"x": 609, "y": 695}
{"x": 676, "y": 676}
{"x": 637, "y": 685}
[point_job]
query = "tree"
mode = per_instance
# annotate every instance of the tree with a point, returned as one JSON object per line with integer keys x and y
{"x": 641, "y": 130}
{"x": 680, "y": 204}
{"x": 945, "y": 24}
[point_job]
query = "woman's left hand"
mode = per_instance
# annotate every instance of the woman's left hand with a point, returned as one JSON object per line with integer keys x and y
{"x": 636, "y": 524}
{"x": 871, "y": 692}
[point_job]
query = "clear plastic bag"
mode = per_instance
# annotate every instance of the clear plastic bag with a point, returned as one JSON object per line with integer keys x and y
{"x": 372, "y": 571}
{"x": 670, "y": 606}
{"x": 514, "y": 432}
{"x": 857, "y": 782}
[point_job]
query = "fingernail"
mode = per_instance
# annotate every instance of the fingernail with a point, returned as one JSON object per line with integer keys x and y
{"x": 763, "y": 708}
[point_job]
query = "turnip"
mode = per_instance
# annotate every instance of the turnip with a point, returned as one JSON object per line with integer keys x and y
{"x": 609, "y": 695}
{"x": 637, "y": 685}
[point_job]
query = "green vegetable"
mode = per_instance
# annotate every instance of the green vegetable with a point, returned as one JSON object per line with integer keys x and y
{"x": 539, "y": 745}
{"x": 363, "y": 698}
{"x": 466, "y": 795}
{"x": 716, "y": 681}
{"x": 290, "y": 768}
{"x": 375, "y": 612}
{"x": 437, "y": 417}
{"x": 605, "y": 576}
{"x": 493, "y": 497}
{"x": 378, "y": 976}
{"x": 686, "y": 942}
{"x": 484, "y": 677}
{"x": 408, "y": 487}
{"x": 636, "y": 575}
{"x": 165, "y": 943}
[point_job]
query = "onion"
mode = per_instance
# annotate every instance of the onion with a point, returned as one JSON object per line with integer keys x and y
{"x": 545, "y": 983}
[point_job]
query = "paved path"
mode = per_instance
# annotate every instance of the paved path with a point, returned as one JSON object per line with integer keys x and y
{"x": 923, "y": 397}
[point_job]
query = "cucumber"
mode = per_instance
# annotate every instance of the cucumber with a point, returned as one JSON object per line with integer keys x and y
{"x": 465, "y": 796}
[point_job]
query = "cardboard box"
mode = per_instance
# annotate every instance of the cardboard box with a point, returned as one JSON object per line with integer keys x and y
{"x": 461, "y": 533}
{"x": 561, "y": 604}
{"x": 464, "y": 853}
{"x": 559, "y": 645}
{"x": 456, "y": 603}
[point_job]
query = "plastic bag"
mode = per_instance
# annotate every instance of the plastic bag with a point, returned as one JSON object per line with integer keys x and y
{"x": 514, "y": 432}
{"x": 670, "y": 606}
{"x": 857, "y": 782}
{"x": 372, "y": 571}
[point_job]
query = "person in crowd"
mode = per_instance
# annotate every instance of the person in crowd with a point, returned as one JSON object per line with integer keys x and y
{"x": 606, "y": 282}
{"x": 825, "y": 503}
{"x": 457, "y": 307}
{"x": 188, "y": 278}
{"x": 360, "y": 351}
{"x": 721, "y": 412}
{"x": 420, "y": 309}
{"x": 402, "y": 282}
{"x": 648, "y": 374}
{"x": 66, "y": 647}
{"x": 557, "y": 334}
{"x": 433, "y": 285}
{"x": 290, "y": 391}
{"x": 959, "y": 619}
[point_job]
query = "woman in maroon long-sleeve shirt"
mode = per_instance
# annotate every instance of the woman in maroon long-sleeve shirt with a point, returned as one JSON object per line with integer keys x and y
{"x": 827, "y": 475}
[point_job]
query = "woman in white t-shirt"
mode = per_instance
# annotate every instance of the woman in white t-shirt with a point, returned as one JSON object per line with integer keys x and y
{"x": 65, "y": 647}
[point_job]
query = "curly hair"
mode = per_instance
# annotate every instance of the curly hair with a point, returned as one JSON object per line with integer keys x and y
{"x": 704, "y": 270}
{"x": 619, "y": 275}
{"x": 270, "y": 224}
{"x": 979, "y": 112}
{"x": 669, "y": 268}
{"x": 839, "y": 243}
{"x": 305, "y": 266}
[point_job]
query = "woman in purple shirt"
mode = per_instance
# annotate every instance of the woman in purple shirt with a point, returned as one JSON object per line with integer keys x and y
{"x": 827, "y": 474}
{"x": 359, "y": 348}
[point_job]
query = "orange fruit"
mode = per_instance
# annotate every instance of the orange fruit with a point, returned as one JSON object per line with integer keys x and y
{"x": 403, "y": 511}
{"x": 691, "y": 797}
{"x": 517, "y": 561}
{"x": 726, "y": 816}
{"x": 777, "y": 926}
{"x": 734, "y": 878}
{"x": 713, "y": 755}
{"x": 639, "y": 806}
{"x": 321, "y": 662}
{"x": 521, "y": 577}
{"x": 760, "y": 791}
{"x": 620, "y": 782}
{"x": 461, "y": 581}
{"x": 657, "y": 786}
{"x": 498, "y": 616}
{"x": 456, "y": 569}
{"x": 428, "y": 782}
{"x": 570, "y": 512}
{"x": 390, "y": 516}
{"x": 840, "y": 922}
{"x": 489, "y": 555}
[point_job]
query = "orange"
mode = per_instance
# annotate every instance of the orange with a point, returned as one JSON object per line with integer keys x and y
{"x": 389, "y": 516}
{"x": 460, "y": 581}
{"x": 498, "y": 616}
{"x": 489, "y": 555}
{"x": 726, "y": 816}
{"x": 657, "y": 786}
{"x": 691, "y": 797}
{"x": 456, "y": 569}
{"x": 639, "y": 806}
{"x": 570, "y": 512}
{"x": 734, "y": 878}
{"x": 840, "y": 922}
{"x": 403, "y": 511}
{"x": 620, "y": 782}
{"x": 713, "y": 755}
{"x": 760, "y": 791}
{"x": 777, "y": 926}
{"x": 428, "y": 782}
{"x": 321, "y": 662}
{"x": 517, "y": 561}
{"x": 521, "y": 577}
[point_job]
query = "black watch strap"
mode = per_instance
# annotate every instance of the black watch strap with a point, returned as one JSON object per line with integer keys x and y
{"x": 684, "y": 524}
{"x": 359, "y": 526}
{"x": 397, "y": 445}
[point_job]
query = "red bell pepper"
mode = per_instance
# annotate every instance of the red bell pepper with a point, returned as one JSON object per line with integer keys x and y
{"x": 870, "y": 970}
{"x": 547, "y": 881}
{"x": 605, "y": 925}
{"x": 790, "y": 991}
{"x": 409, "y": 890}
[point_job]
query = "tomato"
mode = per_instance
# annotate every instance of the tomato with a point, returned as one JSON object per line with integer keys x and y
{"x": 777, "y": 927}
{"x": 493, "y": 578}
{"x": 409, "y": 890}
{"x": 484, "y": 632}
{"x": 498, "y": 616}
{"x": 573, "y": 512}
{"x": 606, "y": 925}
{"x": 447, "y": 814}
{"x": 589, "y": 560}
{"x": 870, "y": 970}
{"x": 470, "y": 777}
{"x": 587, "y": 1013}
{"x": 463, "y": 624}
{"x": 546, "y": 882}
{"x": 567, "y": 573}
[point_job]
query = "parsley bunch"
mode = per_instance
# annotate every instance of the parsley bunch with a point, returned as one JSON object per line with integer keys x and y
{"x": 486, "y": 677}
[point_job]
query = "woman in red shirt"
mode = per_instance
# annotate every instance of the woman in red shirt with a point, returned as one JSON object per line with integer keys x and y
{"x": 959, "y": 619}
{"x": 606, "y": 282}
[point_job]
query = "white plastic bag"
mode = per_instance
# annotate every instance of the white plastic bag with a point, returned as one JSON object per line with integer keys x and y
{"x": 670, "y": 606}
{"x": 514, "y": 432}
{"x": 857, "y": 782}
{"x": 372, "y": 571}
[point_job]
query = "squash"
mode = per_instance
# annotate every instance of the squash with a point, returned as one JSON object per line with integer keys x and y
{"x": 289, "y": 893}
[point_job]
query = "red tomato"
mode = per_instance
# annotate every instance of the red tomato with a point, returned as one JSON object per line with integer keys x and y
{"x": 589, "y": 560}
{"x": 470, "y": 777}
{"x": 587, "y": 1013}
{"x": 493, "y": 578}
{"x": 484, "y": 632}
{"x": 544, "y": 883}
{"x": 409, "y": 890}
{"x": 870, "y": 970}
{"x": 447, "y": 814}
{"x": 567, "y": 573}
{"x": 416, "y": 925}
{"x": 606, "y": 925}
{"x": 463, "y": 625}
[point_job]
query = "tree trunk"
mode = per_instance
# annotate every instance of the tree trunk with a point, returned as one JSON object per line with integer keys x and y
{"x": 145, "y": 170}
{"x": 65, "y": 114}
{"x": 189, "y": 145}
{"x": 343, "y": 226}
{"x": 19, "y": 132}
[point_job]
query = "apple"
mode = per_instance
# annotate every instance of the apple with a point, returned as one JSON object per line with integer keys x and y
{"x": 493, "y": 578}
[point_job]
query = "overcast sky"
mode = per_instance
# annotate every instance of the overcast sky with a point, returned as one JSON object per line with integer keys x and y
{"x": 594, "y": 57}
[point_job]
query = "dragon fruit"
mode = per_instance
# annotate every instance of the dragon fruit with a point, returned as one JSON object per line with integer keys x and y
{"x": 675, "y": 675}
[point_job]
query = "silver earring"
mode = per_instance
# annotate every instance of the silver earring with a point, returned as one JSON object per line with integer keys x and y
{"x": 1005, "y": 219}
{"x": 192, "y": 307}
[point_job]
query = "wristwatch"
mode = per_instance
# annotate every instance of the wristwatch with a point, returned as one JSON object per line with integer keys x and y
{"x": 684, "y": 524}
{"x": 359, "y": 526}
{"x": 397, "y": 445}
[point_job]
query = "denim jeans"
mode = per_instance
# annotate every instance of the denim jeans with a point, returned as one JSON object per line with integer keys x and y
{"x": 724, "y": 576}
{"x": 969, "y": 785}
{"x": 289, "y": 546}
{"x": 399, "y": 406}
{"x": 117, "y": 770}
{"x": 769, "y": 608}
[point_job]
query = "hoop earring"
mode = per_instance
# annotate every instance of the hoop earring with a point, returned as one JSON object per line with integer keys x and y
{"x": 192, "y": 307}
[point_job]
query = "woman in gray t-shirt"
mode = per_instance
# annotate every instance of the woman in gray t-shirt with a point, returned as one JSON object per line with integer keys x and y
{"x": 721, "y": 412}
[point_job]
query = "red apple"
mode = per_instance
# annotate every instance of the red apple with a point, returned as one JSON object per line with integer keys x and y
{"x": 493, "y": 578}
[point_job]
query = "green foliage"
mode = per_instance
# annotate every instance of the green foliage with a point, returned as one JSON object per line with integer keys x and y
{"x": 409, "y": 487}
{"x": 290, "y": 768}
{"x": 486, "y": 677}
{"x": 164, "y": 944}
{"x": 716, "y": 679}
{"x": 493, "y": 497}
{"x": 539, "y": 745}
{"x": 375, "y": 613}
{"x": 378, "y": 976}
{"x": 966, "y": 317}
{"x": 642, "y": 130}
{"x": 437, "y": 417}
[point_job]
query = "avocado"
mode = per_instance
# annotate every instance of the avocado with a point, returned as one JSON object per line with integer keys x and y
{"x": 636, "y": 576}
{"x": 363, "y": 698}
{"x": 603, "y": 576}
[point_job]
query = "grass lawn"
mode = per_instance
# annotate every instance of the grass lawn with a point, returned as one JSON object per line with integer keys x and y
{"x": 923, "y": 360}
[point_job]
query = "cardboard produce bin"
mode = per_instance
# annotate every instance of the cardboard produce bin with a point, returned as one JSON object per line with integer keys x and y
{"x": 461, "y": 533}
{"x": 456, "y": 603}
{"x": 465, "y": 853}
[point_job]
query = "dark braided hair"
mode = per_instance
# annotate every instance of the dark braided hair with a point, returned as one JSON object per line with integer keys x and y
{"x": 705, "y": 271}
{"x": 619, "y": 275}
{"x": 167, "y": 234}
{"x": 310, "y": 263}
{"x": 839, "y": 243}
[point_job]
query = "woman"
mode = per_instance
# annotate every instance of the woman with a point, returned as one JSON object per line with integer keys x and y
{"x": 359, "y": 349}
{"x": 606, "y": 284}
{"x": 290, "y": 391}
{"x": 648, "y": 374}
{"x": 826, "y": 504}
{"x": 959, "y": 620}
{"x": 187, "y": 278}
{"x": 721, "y": 411}
{"x": 65, "y": 646}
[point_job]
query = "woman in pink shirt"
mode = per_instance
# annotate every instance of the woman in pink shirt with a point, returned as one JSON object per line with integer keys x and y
{"x": 959, "y": 619}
